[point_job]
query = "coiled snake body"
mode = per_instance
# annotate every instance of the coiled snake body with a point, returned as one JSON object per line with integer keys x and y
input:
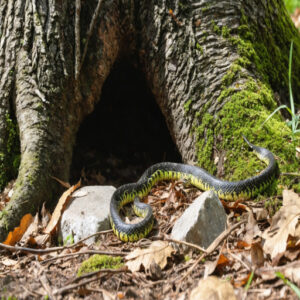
{"x": 228, "y": 190}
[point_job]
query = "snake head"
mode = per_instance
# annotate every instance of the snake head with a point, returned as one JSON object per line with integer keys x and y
{"x": 249, "y": 144}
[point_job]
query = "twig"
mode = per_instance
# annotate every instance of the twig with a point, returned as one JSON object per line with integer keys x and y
{"x": 84, "y": 252}
{"x": 153, "y": 283}
{"x": 186, "y": 244}
{"x": 291, "y": 174}
{"x": 212, "y": 248}
{"x": 76, "y": 285}
{"x": 167, "y": 239}
{"x": 45, "y": 284}
{"x": 92, "y": 235}
{"x": 89, "y": 33}
{"x": 77, "y": 38}
{"x": 246, "y": 265}
{"x": 49, "y": 250}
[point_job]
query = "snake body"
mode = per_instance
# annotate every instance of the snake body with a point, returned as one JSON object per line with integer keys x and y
{"x": 228, "y": 190}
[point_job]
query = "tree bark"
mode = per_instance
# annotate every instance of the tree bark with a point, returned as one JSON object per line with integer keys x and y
{"x": 217, "y": 70}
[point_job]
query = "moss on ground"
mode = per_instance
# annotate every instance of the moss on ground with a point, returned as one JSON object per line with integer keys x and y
{"x": 10, "y": 157}
{"x": 97, "y": 262}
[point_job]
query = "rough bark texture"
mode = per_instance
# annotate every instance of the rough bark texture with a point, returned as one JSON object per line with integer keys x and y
{"x": 216, "y": 68}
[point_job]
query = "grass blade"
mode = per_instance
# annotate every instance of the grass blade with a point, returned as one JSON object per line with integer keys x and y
{"x": 273, "y": 113}
{"x": 249, "y": 281}
{"x": 288, "y": 283}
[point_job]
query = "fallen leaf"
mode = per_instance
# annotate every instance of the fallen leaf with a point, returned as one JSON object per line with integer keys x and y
{"x": 31, "y": 231}
{"x": 46, "y": 216}
{"x": 290, "y": 271}
{"x": 63, "y": 183}
{"x": 107, "y": 295}
{"x": 15, "y": 235}
{"x": 120, "y": 295}
{"x": 257, "y": 254}
{"x": 252, "y": 229}
{"x": 213, "y": 288}
{"x": 242, "y": 245}
{"x": 9, "y": 262}
{"x": 242, "y": 281}
{"x": 221, "y": 262}
{"x": 284, "y": 224}
{"x": 66, "y": 196}
{"x": 158, "y": 252}
{"x": 236, "y": 206}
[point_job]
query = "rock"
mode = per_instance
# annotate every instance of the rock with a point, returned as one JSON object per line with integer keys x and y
{"x": 202, "y": 221}
{"x": 213, "y": 288}
{"x": 87, "y": 213}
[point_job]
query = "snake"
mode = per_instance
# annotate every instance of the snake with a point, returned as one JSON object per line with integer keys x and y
{"x": 196, "y": 176}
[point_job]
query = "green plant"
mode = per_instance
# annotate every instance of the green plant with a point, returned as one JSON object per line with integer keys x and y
{"x": 69, "y": 240}
{"x": 97, "y": 262}
{"x": 288, "y": 283}
{"x": 294, "y": 122}
{"x": 249, "y": 281}
{"x": 291, "y": 5}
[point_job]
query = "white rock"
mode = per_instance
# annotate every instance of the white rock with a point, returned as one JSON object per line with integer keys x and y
{"x": 202, "y": 221}
{"x": 87, "y": 213}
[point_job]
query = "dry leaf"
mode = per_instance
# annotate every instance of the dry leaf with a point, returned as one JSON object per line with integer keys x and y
{"x": 63, "y": 183}
{"x": 213, "y": 288}
{"x": 9, "y": 262}
{"x": 219, "y": 263}
{"x": 290, "y": 271}
{"x": 257, "y": 254}
{"x": 284, "y": 224}
{"x": 252, "y": 229}
{"x": 14, "y": 236}
{"x": 60, "y": 207}
{"x": 31, "y": 231}
{"x": 107, "y": 295}
{"x": 242, "y": 281}
{"x": 46, "y": 216}
{"x": 242, "y": 245}
{"x": 158, "y": 252}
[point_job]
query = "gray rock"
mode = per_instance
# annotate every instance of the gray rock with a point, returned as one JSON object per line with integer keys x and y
{"x": 202, "y": 221}
{"x": 87, "y": 213}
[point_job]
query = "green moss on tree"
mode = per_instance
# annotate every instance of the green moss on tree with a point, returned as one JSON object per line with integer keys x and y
{"x": 247, "y": 107}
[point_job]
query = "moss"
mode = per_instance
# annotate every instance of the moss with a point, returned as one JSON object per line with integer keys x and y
{"x": 270, "y": 47}
{"x": 225, "y": 93}
{"x": 10, "y": 157}
{"x": 244, "y": 114}
{"x": 231, "y": 74}
{"x": 204, "y": 135}
{"x": 97, "y": 262}
{"x": 187, "y": 105}
{"x": 199, "y": 48}
{"x": 216, "y": 28}
{"x": 225, "y": 32}
{"x": 245, "y": 109}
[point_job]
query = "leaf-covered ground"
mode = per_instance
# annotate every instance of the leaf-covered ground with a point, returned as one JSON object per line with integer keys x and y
{"x": 245, "y": 262}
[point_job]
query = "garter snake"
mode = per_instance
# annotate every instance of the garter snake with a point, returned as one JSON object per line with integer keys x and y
{"x": 228, "y": 190}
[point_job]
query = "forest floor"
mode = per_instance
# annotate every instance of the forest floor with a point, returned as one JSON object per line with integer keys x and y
{"x": 243, "y": 257}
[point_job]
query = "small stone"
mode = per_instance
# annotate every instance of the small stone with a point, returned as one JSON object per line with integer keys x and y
{"x": 202, "y": 222}
{"x": 87, "y": 213}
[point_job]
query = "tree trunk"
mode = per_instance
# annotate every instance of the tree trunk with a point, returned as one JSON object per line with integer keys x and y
{"x": 217, "y": 70}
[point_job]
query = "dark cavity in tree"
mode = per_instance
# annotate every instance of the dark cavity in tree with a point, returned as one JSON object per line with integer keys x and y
{"x": 124, "y": 135}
